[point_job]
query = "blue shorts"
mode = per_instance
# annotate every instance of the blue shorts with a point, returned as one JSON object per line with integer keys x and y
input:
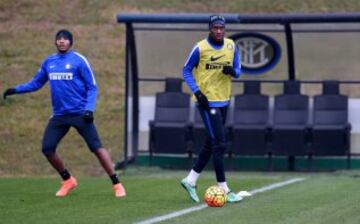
{"x": 58, "y": 126}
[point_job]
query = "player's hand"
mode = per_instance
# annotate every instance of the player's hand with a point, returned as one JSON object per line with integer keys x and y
{"x": 202, "y": 100}
{"x": 88, "y": 116}
{"x": 8, "y": 92}
{"x": 228, "y": 70}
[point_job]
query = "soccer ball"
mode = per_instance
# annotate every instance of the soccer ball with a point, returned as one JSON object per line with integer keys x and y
{"x": 215, "y": 196}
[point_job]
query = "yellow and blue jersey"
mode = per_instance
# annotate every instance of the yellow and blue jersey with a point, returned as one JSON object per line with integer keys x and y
{"x": 203, "y": 70}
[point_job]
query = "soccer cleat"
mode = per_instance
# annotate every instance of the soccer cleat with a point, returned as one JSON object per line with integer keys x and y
{"x": 233, "y": 198}
{"x": 67, "y": 186}
{"x": 190, "y": 189}
{"x": 119, "y": 190}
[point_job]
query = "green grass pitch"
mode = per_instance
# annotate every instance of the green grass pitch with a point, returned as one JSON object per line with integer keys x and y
{"x": 321, "y": 198}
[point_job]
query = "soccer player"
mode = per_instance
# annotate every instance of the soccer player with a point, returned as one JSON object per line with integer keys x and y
{"x": 73, "y": 93}
{"x": 208, "y": 71}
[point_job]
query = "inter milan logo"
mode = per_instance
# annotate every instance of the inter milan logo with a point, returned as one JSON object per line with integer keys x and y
{"x": 259, "y": 53}
{"x": 255, "y": 52}
{"x": 229, "y": 46}
{"x": 67, "y": 66}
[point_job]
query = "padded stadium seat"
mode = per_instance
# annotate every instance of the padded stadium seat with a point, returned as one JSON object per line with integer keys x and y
{"x": 170, "y": 130}
{"x": 250, "y": 127}
{"x": 290, "y": 131}
{"x": 331, "y": 128}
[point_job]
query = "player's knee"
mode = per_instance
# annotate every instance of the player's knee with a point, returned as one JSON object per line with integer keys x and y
{"x": 218, "y": 143}
{"x": 95, "y": 146}
{"x": 48, "y": 149}
{"x": 206, "y": 148}
{"x": 93, "y": 143}
{"x": 96, "y": 150}
{"x": 219, "y": 147}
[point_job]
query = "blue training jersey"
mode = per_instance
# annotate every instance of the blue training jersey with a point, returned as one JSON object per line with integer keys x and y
{"x": 71, "y": 80}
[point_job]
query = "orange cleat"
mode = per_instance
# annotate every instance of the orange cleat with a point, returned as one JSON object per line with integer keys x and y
{"x": 119, "y": 190}
{"x": 67, "y": 186}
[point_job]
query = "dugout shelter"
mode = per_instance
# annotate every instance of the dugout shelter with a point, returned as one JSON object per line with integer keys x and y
{"x": 309, "y": 49}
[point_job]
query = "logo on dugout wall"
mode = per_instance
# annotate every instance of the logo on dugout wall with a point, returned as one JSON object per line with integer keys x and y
{"x": 259, "y": 53}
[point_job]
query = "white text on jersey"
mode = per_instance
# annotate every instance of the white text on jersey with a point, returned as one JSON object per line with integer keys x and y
{"x": 61, "y": 76}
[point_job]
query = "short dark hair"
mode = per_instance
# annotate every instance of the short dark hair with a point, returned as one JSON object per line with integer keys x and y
{"x": 66, "y": 34}
{"x": 216, "y": 19}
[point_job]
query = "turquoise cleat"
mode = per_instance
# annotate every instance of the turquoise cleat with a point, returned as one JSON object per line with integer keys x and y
{"x": 233, "y": 198}
{"x": 190, "y": 189}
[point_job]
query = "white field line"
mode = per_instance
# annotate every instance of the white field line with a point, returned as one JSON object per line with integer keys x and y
{"x": 202, "y": 206}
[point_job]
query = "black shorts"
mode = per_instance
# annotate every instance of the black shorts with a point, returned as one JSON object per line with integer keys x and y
{"x": 58, "y": 126}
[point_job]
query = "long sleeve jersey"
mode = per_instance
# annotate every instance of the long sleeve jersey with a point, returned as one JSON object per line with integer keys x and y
{"x": 203, "y": 70}
{"x": 71, "y": 80}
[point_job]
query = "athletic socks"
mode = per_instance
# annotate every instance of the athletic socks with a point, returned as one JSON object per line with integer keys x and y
{"x": 65, "y": 175}
{"x": 114, "y": 179}
{"x": 192, "y": 177}
{"x": 224, "y": 186}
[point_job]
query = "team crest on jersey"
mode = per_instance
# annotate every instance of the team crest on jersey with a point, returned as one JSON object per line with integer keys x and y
{"x": 229, "y": 46}
{"x": 67, "y": 66}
